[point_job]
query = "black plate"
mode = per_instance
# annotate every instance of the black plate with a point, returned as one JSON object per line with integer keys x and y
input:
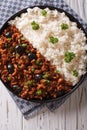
{"x": 79, "y": 26}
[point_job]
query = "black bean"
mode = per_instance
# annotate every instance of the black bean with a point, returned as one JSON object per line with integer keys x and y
{"x": 9, "y": 34}
{"x": 38, "y": 77}
{"x": 19, "y": 49}
{"x": 17, "y": 89}
{"x": 60, "y": 93}
{"x": 32, "y": 56}
{"x": 10, "y": 68}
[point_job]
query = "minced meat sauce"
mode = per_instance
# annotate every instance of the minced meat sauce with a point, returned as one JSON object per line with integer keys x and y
{"x": 28, "y": 74}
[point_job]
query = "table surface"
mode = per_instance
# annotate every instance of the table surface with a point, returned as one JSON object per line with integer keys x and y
{"x": 72, "y": 115}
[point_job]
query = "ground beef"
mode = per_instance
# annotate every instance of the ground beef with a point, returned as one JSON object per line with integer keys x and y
{"x": 28, "y": 74}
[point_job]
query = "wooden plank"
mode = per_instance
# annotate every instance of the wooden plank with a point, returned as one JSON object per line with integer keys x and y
{"x": 10, "y": 116}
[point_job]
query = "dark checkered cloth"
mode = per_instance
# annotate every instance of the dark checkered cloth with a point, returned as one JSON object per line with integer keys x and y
{"x": 10, "y": 7}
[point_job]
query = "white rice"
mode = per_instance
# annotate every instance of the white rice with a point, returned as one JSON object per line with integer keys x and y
{"x": 72, "y": 40}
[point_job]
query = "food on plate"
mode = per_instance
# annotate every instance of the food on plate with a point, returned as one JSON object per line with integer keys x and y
{"x": 26, "y": 71}
{"x": 42, "y": 54}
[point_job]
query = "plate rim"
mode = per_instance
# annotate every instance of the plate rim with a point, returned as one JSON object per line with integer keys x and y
{"x": 73, "y": 19}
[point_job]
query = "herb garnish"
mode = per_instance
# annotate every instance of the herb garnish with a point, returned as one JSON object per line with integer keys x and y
{"x": 53, "y": 40}
{"x": 64, "y": 26}
{"x": 68, "y": 56}
{"x": 75, "y": 73}
{"x": 35, "y": 26}
{"x": 44, "y": 12}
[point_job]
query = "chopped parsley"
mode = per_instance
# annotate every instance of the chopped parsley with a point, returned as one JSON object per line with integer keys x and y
{"x": 22, "y": 38}
{"x": 44, "y": 12}
{"x": 45, "y": 76}
{"x": 31, "y": 82}
{"x": 9, "y": 39}
{"x": 68, "y": 56}
{"x": 38, "y": 62}
{"x": 24, "y": 45}
{"x": 33, "y": 69}
{"x": 39, "y": 92}
{"x": 27, "y": 51}
{"x": 47, "y": 81}
{"x": 64, "y": 26}
{"x": 9, "y": 78}
{"x": 53, "y": 40}
{"x": 35, "y": 26}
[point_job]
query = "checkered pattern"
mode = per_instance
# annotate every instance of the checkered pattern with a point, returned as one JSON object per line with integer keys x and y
{"x": 10, "y": 7}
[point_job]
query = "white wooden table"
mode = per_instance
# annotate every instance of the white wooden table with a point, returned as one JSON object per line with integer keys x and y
{"x": 72, "y": 115}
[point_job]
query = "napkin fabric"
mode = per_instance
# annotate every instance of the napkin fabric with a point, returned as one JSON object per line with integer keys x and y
{"x": 10, "y": 7}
